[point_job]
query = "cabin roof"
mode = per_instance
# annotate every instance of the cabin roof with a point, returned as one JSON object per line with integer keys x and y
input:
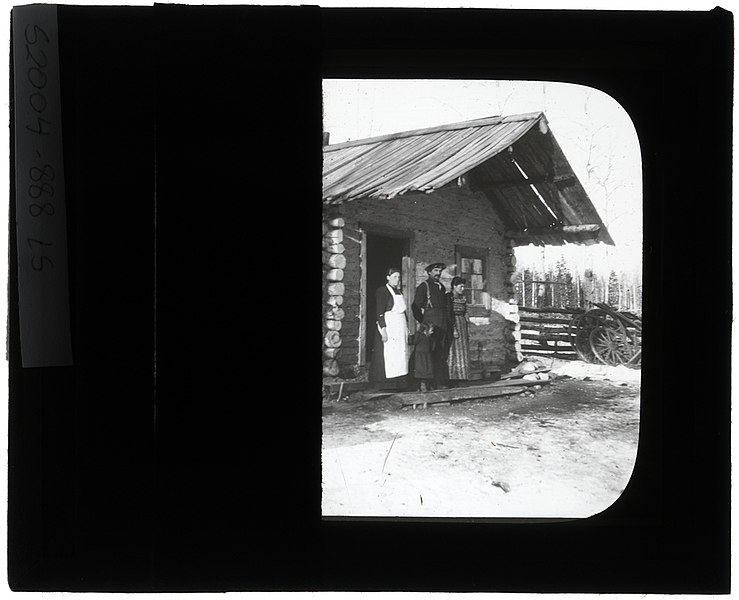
{"x": 514, "y": 160}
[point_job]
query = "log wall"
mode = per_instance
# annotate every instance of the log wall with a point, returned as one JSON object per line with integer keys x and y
{"x": 333, "y": 288}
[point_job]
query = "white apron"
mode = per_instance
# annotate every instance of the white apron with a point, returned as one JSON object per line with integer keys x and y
{"x": 395, "y": 350}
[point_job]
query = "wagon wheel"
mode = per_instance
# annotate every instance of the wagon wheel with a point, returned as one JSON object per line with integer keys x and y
{"x": 635, "y": 360}
{"x": 632, "y": 326}
{"x": 579, "y": 330}
{"x": 611, "y": 345}
{"x": 635, "y": 344}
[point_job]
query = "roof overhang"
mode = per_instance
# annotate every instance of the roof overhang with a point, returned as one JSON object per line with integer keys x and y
{"x": 514, "y": 160}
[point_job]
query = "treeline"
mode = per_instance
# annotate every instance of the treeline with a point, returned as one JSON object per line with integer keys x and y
{"x": 560, "y": 287}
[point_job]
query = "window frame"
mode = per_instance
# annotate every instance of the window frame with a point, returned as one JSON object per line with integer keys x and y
{"x": 473, "y": 252}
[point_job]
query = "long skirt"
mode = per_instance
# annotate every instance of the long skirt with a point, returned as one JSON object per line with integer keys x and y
{"x": 459, "y": 352}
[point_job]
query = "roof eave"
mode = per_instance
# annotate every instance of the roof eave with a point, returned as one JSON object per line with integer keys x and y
{"x": 533, "y": 116}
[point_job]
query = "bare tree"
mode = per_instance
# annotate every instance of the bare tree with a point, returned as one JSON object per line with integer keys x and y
{"x": 501, "y": 100}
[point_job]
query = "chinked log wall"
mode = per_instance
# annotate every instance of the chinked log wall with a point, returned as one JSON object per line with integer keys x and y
{"x": 545, "y": 331}
{"x": 333, "y": 293}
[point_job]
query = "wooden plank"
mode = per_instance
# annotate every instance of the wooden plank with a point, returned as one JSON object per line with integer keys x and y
{"x": 554, "y": 349}
{"x": 561, "y": 355}
{"x": 567, "y": 348}
{"x": 400, "y": 384}
{"x": 448, "y": 397}
{"x": 544, "y": 354}
{"x": 376, "y": 395}
{"x": 564, "y": 229}
{"x": 528, "y": 334}
{"x": 554, "y": 329}
{"x": 508, "y": 383}
{"x": 547, "y": 337}
{"x": 550, "y": 349}
{"x": 548, "y": 320}
{"x": 566, "y": 311}
{"x": 521, "y": 374}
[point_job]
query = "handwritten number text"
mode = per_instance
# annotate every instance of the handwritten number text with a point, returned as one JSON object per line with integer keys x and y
{"x": 40, "y": 191}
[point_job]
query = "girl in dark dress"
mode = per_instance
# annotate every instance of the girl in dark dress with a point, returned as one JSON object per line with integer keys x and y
{"x": 423, "y": 365}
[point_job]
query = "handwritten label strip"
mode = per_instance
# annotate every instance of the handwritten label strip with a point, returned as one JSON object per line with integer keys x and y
{"x": 43, "y": 280}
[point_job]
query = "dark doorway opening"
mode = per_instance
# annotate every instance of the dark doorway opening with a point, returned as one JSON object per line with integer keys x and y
{"x": 383, "y": 252}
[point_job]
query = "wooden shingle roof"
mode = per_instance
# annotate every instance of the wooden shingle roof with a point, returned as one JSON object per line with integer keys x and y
{"x": 515, "y": 160}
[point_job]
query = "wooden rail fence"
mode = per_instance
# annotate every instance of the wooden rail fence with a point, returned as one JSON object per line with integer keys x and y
{"x": 545, "y": 331}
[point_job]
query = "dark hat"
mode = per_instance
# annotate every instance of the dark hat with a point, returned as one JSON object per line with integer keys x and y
{"x": 441, "y": 265}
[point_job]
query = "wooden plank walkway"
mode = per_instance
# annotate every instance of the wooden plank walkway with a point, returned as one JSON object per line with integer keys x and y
{"x": 454, "y": 396}
{"x": 462, "y": 394}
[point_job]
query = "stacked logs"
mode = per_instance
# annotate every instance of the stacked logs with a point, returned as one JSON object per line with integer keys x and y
{"x": 334, "y": 262}
{"x": 514, "y": 326}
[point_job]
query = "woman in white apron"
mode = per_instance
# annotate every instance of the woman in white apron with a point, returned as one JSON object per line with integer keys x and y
{"x": 390, "y": 350}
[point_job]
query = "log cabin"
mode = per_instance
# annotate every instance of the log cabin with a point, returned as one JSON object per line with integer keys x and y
{"x": 465, "y": 194}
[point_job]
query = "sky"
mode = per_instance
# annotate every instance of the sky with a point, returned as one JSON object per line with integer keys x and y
{"x": 595, "y": 133}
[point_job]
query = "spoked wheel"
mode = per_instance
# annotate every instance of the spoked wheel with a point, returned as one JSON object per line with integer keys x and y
{"x": 611, "y": 345}
{"x": 579, "y": 329}
{"x": 635, "y": 361}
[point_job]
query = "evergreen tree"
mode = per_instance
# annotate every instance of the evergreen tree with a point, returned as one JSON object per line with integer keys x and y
{"x": 565, "y": 287}
{"x": 570, "y": 295}
{"x": 612, "y": 294}
{"x": 524, "y": 297}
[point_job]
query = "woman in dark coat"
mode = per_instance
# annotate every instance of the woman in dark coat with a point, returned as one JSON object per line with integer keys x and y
{"x": 390, "y": 324}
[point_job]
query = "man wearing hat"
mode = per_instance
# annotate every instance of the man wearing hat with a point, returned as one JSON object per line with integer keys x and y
{"x": 430, "y": 306}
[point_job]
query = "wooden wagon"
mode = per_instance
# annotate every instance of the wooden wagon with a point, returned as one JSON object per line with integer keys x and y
{"x": 605, "y": 335}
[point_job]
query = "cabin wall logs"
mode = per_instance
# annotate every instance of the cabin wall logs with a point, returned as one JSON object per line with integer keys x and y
{"x": 333, "y": 293}
{"x": 512, "y": 333}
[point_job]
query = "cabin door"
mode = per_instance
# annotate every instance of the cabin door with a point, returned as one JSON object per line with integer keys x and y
{"x": 383, "y": 250}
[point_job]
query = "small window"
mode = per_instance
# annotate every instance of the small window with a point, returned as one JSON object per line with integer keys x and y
{"x": 472, "y": 264}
